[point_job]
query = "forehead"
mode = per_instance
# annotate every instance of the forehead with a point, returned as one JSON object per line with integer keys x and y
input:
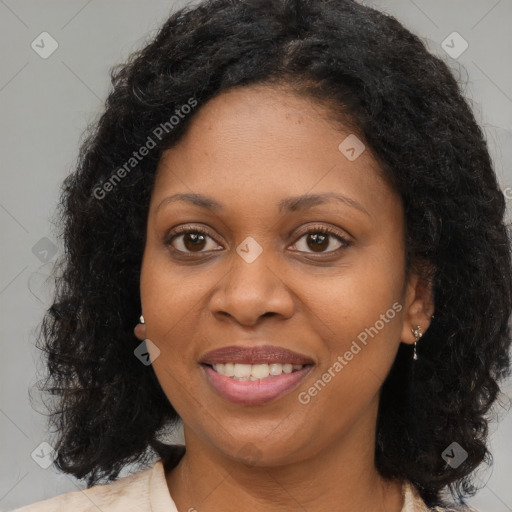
{"x": 261, "y": 144}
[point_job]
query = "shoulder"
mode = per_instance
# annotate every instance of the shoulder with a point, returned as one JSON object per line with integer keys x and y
{"x": 127, "y": 493}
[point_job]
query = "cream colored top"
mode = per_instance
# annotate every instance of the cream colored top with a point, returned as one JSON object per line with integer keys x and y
{"x": 147, "y": 491}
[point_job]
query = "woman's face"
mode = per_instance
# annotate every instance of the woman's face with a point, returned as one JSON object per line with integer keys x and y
{"x": 264, "y": 273}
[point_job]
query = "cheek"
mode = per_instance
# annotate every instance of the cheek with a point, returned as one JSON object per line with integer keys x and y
{"x": 167, "y": 295}
{"x": 171, "y": 326}
{"x": 167, "y": 310}
{"x": 360, "y": 315}
{"x": 359, "y": 294}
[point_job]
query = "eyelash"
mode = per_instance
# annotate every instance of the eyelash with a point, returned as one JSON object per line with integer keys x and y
{"x": 324, "y": 230}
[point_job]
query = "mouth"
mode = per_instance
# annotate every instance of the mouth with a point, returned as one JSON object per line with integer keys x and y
{"x": 254, "y": 372}
{"x": 254, "y": 384}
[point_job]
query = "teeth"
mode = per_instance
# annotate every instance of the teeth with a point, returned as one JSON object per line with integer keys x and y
{"x": 260, "y": 371}
{"x": 241, "y": 371}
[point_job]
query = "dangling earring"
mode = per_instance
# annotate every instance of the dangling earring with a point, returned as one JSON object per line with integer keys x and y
{"x": 417, "y": 335}
{"x": 141, "y": 319}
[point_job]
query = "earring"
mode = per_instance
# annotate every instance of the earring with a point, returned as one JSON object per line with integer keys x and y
{"x": 141, "y": 319}
{"x": 417, "y": 335}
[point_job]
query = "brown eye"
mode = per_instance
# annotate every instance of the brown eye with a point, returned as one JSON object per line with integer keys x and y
{"x": 188, "y": 240}
{"x": 319, "y": 239}
{"x": 194, "y": 241}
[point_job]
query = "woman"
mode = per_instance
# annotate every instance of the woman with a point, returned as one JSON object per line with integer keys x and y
{"x": 297, "y": 200}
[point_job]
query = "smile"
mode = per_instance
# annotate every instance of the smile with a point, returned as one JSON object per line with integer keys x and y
{"x": 252, "y": 384}
{"x": 253, "y": 372}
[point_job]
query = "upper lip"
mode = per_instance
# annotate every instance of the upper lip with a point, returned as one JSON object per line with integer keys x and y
{"x": 254, "y": 355}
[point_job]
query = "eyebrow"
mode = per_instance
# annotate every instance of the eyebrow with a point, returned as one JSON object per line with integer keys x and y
{"x": 289, "y": 204}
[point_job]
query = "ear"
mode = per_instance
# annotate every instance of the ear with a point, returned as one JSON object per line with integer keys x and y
{"x": 140, "y": 331}
{"x": 419, "y": 307}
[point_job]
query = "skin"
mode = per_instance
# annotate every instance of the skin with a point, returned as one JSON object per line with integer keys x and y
{"x": 249, "y": 148}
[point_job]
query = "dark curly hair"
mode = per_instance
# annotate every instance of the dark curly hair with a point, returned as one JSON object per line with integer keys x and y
{"x": 109, "y": 409}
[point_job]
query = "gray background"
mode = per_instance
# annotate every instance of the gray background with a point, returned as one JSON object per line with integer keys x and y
{"x": 45, "y": 105}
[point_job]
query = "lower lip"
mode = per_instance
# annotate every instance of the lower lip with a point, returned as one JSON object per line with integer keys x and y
{"x": 255, "y": 391}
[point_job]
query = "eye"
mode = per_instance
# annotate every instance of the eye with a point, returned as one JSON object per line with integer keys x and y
{"x": 189, "y": 240}
{"x": 318, "y": 238}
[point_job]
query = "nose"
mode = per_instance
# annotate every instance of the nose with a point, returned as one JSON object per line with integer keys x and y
{"x": 252, "y": 291}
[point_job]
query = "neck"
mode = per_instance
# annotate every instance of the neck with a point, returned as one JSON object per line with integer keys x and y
{"x": 342, "y": 477}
